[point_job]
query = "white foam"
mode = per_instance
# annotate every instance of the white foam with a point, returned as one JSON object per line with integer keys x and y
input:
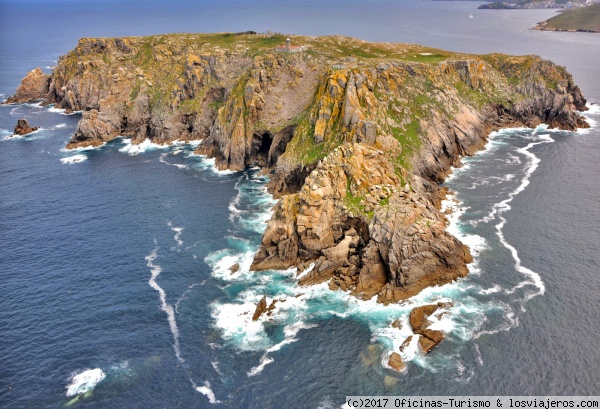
{"x": 233, "y": 210}
{"x": 83, "y": 148}
{"x": 592, "y": 115}
{"x": 492, "y": 290}
{"x": 306, "y": 271}
{"x": 510, "y": 321}
{"x": 215, "y": 365}
{"x": 135, "y": 149}
{"x": 155, "y": 271}
{"x": 210, "y": 163}
{"x": 177, "y": 165}
{"x": 207, "y": 391}
{"x": 73, "y": 159}
{"x": 475, "y": 242}
{"x": 264, "y": 361}
{"x": 192, "y": 143}
{"x": 177, "y": 236}
{"x": 85, "y": 381}
{"x": 60, "y": 126}
{"x": 62, "y": 111}
{"x": 236, "y": 324}
{"x": 478, "y": 357}
{"x": 504, "y": 206}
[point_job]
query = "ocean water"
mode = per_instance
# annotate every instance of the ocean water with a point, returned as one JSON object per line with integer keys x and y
{"x": 114, "y": 283}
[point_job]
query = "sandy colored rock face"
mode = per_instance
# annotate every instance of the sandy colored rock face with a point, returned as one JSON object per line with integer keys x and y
{"x": 32, "y": 88}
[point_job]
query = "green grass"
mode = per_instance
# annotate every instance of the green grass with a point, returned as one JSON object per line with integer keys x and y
{"x": 434, "y": 58}
{"x": 581, "y": 18}
{"x": 190, "y": 106}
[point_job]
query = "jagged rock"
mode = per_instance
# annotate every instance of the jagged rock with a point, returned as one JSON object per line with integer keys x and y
{"x": 418, "y": 317}
{"x": 395, "y": 362}
{"x": 32, "y": 88}
{"x": 406, "y": 343}
{"x": 396, "y": 324}
{"x": 428, "y": 339}
{"x": 261, "y": 308}
{"x": 234, "y": 268}
{"x": 23, "y": 127}
{"x": 272, "y": 307}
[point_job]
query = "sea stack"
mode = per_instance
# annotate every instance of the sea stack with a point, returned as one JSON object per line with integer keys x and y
{"x": 33, "y": 87}
{"x": 23, "y": 127}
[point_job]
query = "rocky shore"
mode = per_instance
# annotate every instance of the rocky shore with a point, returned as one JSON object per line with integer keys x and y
{"x": 355, "y": 154}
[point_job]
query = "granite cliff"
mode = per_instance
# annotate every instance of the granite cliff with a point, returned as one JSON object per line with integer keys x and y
{"x": 356, "y": 136}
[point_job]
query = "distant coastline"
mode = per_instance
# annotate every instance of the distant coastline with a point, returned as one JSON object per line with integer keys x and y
{"x": 536, "y": 4}
{"x": 584, "y": 19}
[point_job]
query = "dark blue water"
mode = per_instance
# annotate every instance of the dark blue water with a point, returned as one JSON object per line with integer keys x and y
{"x": 116, "y": 258}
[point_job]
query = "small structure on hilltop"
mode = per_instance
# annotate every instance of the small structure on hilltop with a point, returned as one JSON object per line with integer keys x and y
{"x": 289, "y": 48}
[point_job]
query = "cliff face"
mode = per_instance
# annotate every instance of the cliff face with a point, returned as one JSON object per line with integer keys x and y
{"x": 354, "y": 152}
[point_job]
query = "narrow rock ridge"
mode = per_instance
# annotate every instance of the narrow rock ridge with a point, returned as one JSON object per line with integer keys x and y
{"x": 355, "y": 153}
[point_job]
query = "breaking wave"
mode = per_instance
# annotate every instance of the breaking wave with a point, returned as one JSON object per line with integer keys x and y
{"x": 73, "y": 159}
{"x": 85, "y": 381}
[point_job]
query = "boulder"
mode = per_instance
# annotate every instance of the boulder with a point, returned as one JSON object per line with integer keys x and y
{"x": 234, "y": 268}
{"x": 418, "y": 317}
{"x": 23, "y": 127}
{"x": 429, "y": 339}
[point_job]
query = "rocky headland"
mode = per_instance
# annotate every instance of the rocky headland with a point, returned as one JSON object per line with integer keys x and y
{"x": 355, "y": 136}
{"x": 583, "y": 19}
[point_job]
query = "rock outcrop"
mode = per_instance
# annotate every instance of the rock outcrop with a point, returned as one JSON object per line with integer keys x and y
{"x": 354, "y": 154}
{"x": 32, "y": 88}
{"x": 23, "y": 127}
{"x": 261, "y": 308}
{"x": 419, "y": 322}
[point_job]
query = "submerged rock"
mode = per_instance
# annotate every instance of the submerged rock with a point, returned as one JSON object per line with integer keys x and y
{"x": 395, "y": 362}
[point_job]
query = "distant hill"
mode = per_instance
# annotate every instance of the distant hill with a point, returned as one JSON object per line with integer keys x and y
{"x": 533, "y": 4}
{"x": 579, "y": 19}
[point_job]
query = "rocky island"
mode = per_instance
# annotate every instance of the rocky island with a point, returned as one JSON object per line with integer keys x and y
{"x": 355, "y": 136}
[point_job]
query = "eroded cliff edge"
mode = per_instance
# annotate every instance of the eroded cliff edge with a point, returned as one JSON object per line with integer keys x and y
{"x": 356, "y": 136}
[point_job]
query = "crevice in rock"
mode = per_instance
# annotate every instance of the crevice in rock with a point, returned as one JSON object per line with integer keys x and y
{"x": 279, "y": 143}
{"x": 261, "y": 145}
